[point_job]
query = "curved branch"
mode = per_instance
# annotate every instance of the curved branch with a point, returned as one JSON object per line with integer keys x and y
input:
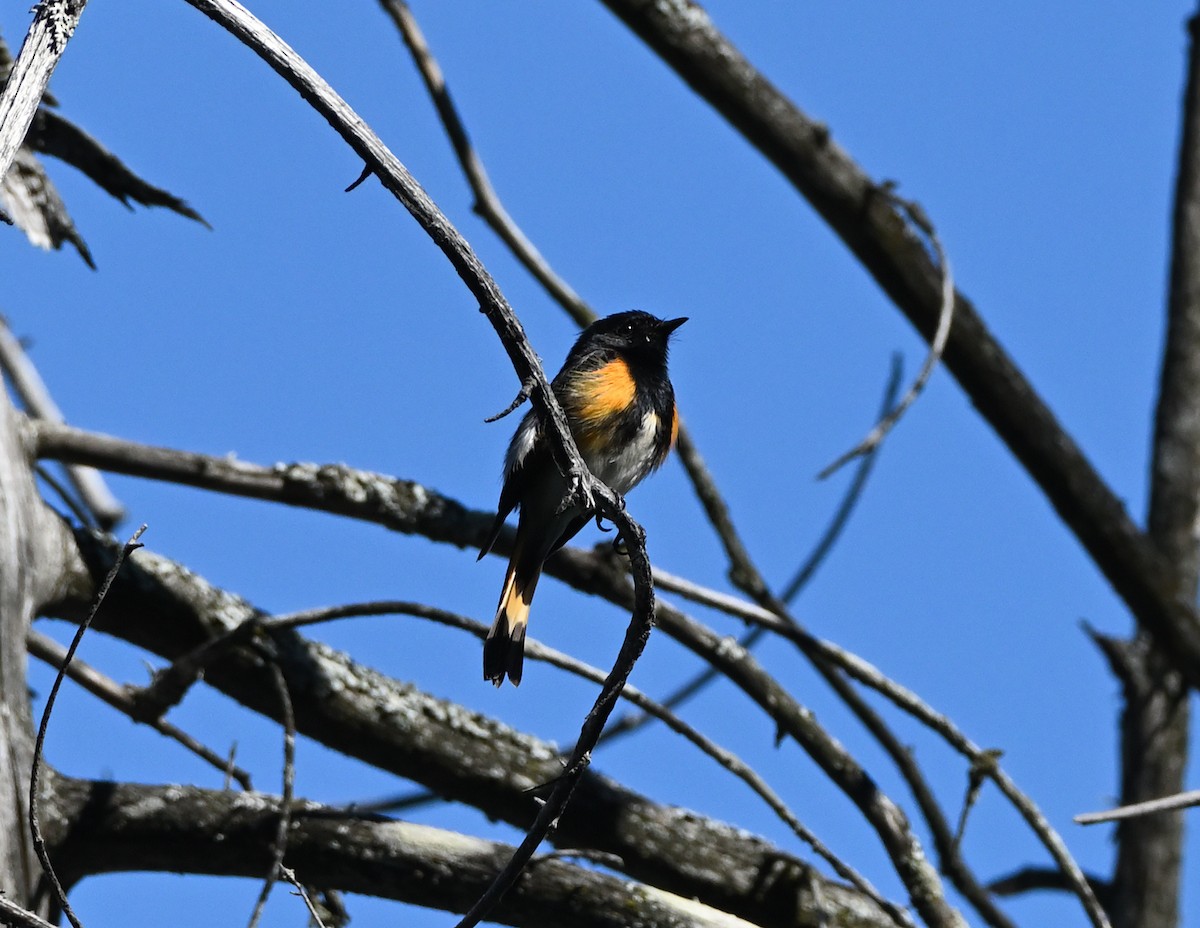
{"x": 537, "y": 651}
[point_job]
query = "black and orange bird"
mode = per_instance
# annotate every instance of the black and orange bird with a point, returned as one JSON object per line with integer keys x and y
{"x": 620, "y": 405}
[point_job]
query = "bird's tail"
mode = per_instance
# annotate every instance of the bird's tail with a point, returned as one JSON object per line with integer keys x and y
{"x": 504, "y": 648}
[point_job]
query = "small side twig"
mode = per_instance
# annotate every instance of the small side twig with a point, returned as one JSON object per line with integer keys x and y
{"x": 279, "y": 844}
{"x": 400, "y": 802}
{"x": 82, "y": 516}
{"x": 540, "y": 652}
{"x": 826, "y": 653}
{"x": 628, "y": 724}
{"x": 290, "y": 875}
{"x": 983, "y": 768}
{"x": 521, "y": 397}
{"x": 35, "y": 827}
{"x": 875, "y": 437}
{"x": 1137, "y": 809}
{"x": 1035, "y": 879}
{"x": 117, "y": 696}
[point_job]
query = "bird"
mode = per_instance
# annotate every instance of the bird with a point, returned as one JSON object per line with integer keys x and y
{"x": 620, "y": 406}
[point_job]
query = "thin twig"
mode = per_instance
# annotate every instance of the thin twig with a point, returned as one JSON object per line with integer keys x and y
{"x": 117, "y": 696}
{"x": 279, "y": 844}
{"x": 35, "y": 828}
{"x": 1149, "y": 807}
{"x": 539, "y": 652}
{"x": 632, "y": 722}
{"x": 82, "y": 516}
{"x": 853, "y": 494}
{"x": 937, "y": 346}
{"x": 487, "y": 202}
{"x": 290, "y": 875}
{"x": 400, "y": 802}
{"x": 982, "y": 769}
{"x": 521, "y": 397}
{"x": 1038, "y": 879}
{"x": 865, "y": 673}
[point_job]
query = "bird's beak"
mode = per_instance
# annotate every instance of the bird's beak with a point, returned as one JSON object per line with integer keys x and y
{"x": 670, "y": 325}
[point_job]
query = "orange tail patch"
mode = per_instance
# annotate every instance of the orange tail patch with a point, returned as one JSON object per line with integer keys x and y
{"x": 504, "y": 647}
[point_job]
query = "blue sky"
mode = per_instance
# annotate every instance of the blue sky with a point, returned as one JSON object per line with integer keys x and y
{"x": 311, "y": 324}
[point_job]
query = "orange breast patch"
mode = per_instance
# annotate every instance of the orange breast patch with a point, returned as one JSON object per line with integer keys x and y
{"x": 600, "y": 394}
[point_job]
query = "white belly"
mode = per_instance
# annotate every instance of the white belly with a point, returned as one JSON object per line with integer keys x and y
{"x": 626, "y": 469}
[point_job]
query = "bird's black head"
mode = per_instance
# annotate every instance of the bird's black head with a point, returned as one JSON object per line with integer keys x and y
{"x": 633, "y": 334}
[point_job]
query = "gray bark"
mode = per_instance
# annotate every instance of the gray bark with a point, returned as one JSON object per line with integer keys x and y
{"x": 32, "y": 552}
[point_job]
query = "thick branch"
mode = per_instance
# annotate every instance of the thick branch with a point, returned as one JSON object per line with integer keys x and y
{"x": 54, "y": 22}
{"x": 876, "y": 232}
{"x": 33, "y": 550}
{"x": 1155, "y": 718}
{"x": 112, "y": 827}
{"x": 463, "y": 755}
{"x": 413, "y": 508}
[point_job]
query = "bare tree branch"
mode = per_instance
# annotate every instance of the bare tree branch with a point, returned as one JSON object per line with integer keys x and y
{"x": 1155, "y": 718}
{"x": 118, "y": 697}
{"x": 537, "y": 651}
{"x": 113, "y": 827}
{"x": 1034, "y": 879}
{"x": 51, "y": 134}
{"x": 13, "y": 915}
{"x": 35, "y": 829}
{"x": 487, "y": 202}
{"x": 54, "y": 23}
{"x": 1149, "y": 807}
{"x": 831, "y": 656}
{"x": 937, "y": 344}
{"x": 465, "y": 756}
{"x": 35, "y": 549}
{"x": 875, "y": 231}
{"x": 36, "y": 208}
{"x": 411, "y": 508}
{"x": 35, "y": 397}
